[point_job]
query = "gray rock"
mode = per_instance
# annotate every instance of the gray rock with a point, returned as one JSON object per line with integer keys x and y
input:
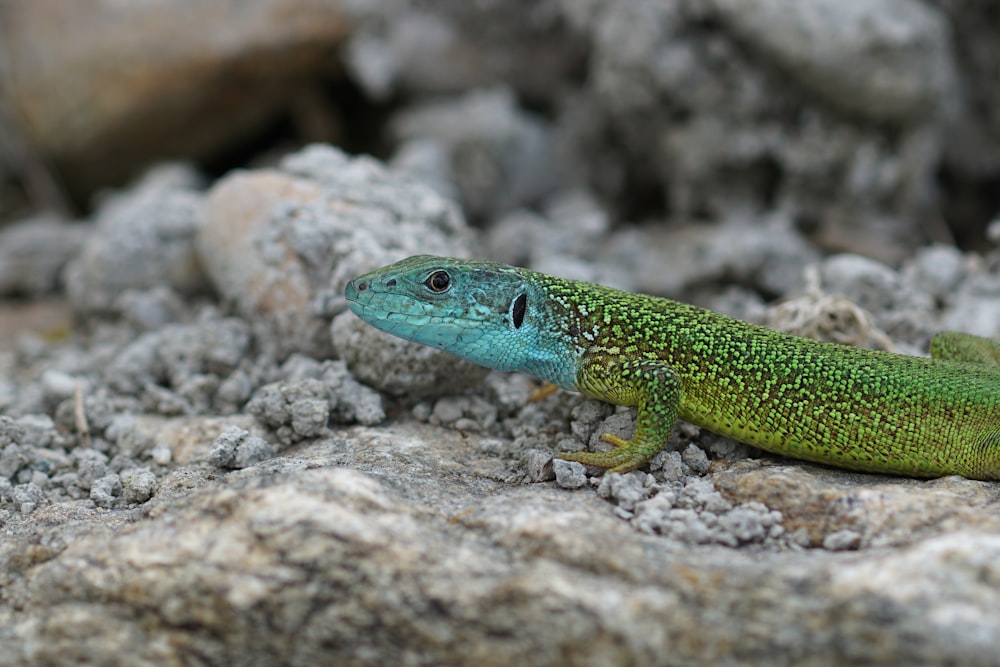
{"x": 588, "y": 417}
{"x": 697, "y": 514}
{"x": 936, "y": 270}
{"x": 295, "y": 409}
{"x": 407, "y": 49}
{"x": 188, "y": 359}
{"x": 34, "y": 430}
{"x": 91, "y": 465}
{"x": 127, "y": 435}
{"x": 872, "y": 285}
{"x": 138, "y": 485}
{"x": 670, "y": 466}
{"x": 619, "y": 424}
{"x": 740, "y": 100}
{"x": 12, "y": 460}
{"x": 300, "y": 367}
{"x": 653, "y": 513}
{"x": 541, "y": 468}
{"x": 695, "y": 458}
{"x": 974, "y": 306}
{"x": 514, "y": 237}
{"x": 626, "y": 490}
{"x": 27, "y": 497}
{"x": 768, "y": 255}
{"x": 33, "y": 253}
{"x": 215, "y": 345}
{"x": 448, "y": 410}
{"x": 6, "y": 493}
{"x": 11, "y": 431}
{"x": 281, "y": 244}
{"x": 150, "y": 309}
{"x": 428, "y": 161}
{"x": 510, "y": 392}
{"x": 372, "y": 64}
{"x": 569, "y": 474}
{"x": 309, "y": 416}
{"x": 144, "y": 238}
{"x": 161, "y": 454}
{"x": 885, "y": 59}
{"x": 842, "y": 540}
{"x": 58, "y": 386}
{"x": 501, "y": 156}
{"x": 350, "y": 401}
{"x": 236, "y": 448}
{"x": 750, "y": 522}
{"x": 8, "y": 394}
{"x": 135, "y": 365}
{"x": 562, "y": 242}
{"x": 467, "y": 413}
{"x": 234, "y": 391}
{"x": 700, "y": 493}
{"x": 106, "y": 490}
{"x": 197, "y": 391}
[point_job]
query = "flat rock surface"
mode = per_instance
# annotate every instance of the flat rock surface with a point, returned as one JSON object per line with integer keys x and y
{"x": 398, "y": 543}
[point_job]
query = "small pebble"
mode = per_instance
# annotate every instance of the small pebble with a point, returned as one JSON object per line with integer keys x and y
{"x": 569, "y": 474}
{"x": 842, "y": 540}
{"x": 696, "y": 459}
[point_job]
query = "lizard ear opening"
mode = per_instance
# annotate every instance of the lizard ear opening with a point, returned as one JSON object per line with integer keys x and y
{"x": 517, "y": 310}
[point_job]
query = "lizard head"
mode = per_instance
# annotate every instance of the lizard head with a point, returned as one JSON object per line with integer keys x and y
{"x": 474, "y": 309}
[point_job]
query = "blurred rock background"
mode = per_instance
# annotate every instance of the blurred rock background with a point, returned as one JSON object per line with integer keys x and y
{"x": 870, "y": 125}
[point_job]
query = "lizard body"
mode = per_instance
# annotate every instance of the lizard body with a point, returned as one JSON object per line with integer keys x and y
{"x": 839, "y": 405}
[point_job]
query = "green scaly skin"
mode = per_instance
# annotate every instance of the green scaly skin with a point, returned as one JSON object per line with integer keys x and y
{"x": 842, "y": 406}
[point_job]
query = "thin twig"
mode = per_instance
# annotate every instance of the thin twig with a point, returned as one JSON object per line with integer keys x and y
{"x": 82, "y": 427}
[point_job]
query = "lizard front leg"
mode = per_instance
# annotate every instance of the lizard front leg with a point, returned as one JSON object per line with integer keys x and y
{"x": 650, "y": 385}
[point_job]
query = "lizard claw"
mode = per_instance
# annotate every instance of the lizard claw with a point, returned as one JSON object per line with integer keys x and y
{"x": 615, "y": 440}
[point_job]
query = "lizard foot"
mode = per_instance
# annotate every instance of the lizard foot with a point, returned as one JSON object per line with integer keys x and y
{"x": 627, "y": 455}
{"x": 547, "y": 389}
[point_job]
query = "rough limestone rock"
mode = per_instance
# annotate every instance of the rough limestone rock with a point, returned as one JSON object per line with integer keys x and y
{"x": 281, "y": 245}
{"x": 411, "y": 554}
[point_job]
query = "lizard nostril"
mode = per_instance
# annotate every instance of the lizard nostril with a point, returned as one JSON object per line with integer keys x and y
{"x": 362, "y": 287}
{"x": 390, "y": 283}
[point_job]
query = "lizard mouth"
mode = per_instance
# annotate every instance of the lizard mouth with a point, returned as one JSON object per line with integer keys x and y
{"x": 375, "y": 313}
{"x": 370, "y": 305}
{"x": 358, "y": 305}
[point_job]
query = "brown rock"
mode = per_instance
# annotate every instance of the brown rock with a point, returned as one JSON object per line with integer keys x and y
{"x": 883, "y": 511}
{"x": 104, "y": 88}
{"x": 282, "y": 245}
{"x": 273, "y": 289}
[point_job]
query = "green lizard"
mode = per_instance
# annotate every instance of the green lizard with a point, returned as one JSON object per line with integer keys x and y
{"x": 834, "y": 404}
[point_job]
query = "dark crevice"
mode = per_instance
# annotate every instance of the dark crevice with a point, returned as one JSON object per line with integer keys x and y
{"x": 969, "y": 202}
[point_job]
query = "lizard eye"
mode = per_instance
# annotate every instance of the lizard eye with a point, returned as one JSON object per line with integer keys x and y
{"x": 438, "y": 281}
